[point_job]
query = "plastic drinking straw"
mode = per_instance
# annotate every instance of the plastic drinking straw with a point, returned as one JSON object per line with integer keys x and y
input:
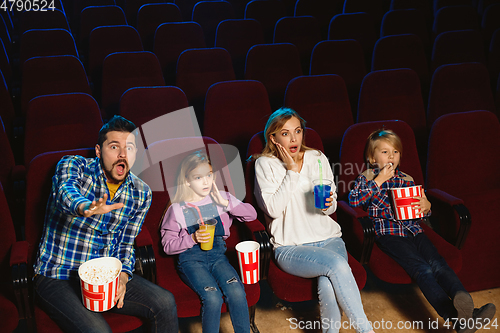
{"x": 196, "y": 207}
{"x": 320, "y": 173}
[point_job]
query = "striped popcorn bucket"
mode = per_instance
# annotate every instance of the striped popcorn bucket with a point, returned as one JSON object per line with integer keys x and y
{"x": 248, "y": 257}
{"x": 402, "y": 198}
{"x": 99, "y": 296}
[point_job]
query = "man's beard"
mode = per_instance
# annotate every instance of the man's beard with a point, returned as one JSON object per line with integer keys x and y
{"x": 108, "y": 173}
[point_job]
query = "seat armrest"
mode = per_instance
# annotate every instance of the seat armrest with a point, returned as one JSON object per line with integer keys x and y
{"x": 19, "y": 270}
{"x": 445, "y": 204}
{"x": 357, "y": 230}
{"x": 145, "y": 260}
{"x": 260, "y": 235}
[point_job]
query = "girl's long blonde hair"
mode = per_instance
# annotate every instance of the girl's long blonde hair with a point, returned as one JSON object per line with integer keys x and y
{"x": 188, "y": 164}
{"x": 274, "y": 124}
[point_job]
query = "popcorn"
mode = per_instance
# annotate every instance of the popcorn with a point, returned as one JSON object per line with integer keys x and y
{"x": 99, "y": 274}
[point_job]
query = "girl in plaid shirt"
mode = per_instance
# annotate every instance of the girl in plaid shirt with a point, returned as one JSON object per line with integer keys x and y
{"x": 405, "y": 241}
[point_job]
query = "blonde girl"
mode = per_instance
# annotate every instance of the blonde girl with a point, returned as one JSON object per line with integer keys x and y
{"x": 208, "y": 273}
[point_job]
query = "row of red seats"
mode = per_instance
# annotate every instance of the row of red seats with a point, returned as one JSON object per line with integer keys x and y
{"x": 477, "y": 132}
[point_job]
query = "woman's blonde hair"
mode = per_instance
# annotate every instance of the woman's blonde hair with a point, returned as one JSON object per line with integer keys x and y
{"x": 188, "y": 164}
{"x": 381, "y": 134}
{"x": 274, "y": 124}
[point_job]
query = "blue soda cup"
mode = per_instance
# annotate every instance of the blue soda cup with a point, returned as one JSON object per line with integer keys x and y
{"x": 321, "y": 192}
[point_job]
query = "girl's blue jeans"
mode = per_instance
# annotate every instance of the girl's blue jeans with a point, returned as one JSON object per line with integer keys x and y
{"x": 327, "y": 260}
{"x": 212, "y": 277}
{"x": 421, "y": 260}
{"x": 62, "y": 301}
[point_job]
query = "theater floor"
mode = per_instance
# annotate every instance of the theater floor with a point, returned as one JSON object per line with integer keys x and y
{"x": 387, "y": 306}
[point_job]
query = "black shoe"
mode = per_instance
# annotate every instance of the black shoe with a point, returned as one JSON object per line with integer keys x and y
{"x": 464, "y": 305}
{"x": 480, "y": 318}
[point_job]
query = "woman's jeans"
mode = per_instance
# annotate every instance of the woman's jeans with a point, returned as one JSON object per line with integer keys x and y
{"x": 62, "y": 301}
{"x": 212, "y": 277}
{"x": 327, "y": 260}
{"x": 420, "y": 259}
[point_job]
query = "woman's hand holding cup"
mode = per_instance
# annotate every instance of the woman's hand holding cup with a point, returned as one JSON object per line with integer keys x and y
{"x": 201, "y": 236}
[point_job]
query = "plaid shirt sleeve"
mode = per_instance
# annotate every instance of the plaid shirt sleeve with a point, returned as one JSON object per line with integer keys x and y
{"x": 70, "y": 239}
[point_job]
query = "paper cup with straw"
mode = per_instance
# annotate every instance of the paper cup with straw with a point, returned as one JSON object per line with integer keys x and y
{"x": 249, "y": 260}
{"x": 322, "y": 189}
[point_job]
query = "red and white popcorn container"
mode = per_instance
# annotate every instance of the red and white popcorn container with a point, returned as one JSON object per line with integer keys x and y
{"x": 402, "y": 199}
{"x": 249, "y": 259}
{"x": 99, "y": 281}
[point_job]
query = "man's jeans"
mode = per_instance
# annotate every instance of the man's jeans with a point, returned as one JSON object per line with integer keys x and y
{"x": 327, "y": 260}
{"x": 62, "y": 301}
{"x": 421, "y": 260}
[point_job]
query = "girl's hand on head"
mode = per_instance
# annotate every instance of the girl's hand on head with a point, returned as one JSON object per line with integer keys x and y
{"x": 217, "y": 197}
{"x": 423, "y": 205}
{"x": 386, "y": 173}
{"x": 287, "y": 159}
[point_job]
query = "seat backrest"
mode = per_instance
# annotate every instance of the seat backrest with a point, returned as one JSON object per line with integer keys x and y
{"x": 374, "y": 7}
{"x": 105, "y": 40}
{"x": 198, "y": 69}
{"x": 143, "y": 104}
{"x": 451, "y": 47}
{"x": 406, "y": 21}
{"x": 478, "y": 134}
{"x": 50, "y": 19}
{"x": 483, "y": 5}
{"x": 5, "y": 67}
{"x": 209, "y": 14}
{"x": 132, "y": 8}
{"x": 274, "y": 65}
{"x": 124, "y": 70}
{"x": 171, "y": 39}
{"x": 95, "y": 16}
{"x": 8, "y": 161}
{"x": 458, "y": 88}
{"x": 352, "y": 162}
{"x": 61, "y": 122}
{"x": 52, "y": 75}
{"x": 401, "y": 51}
{"x": 237, "y": 37}
{"x": 323, "y": 11}
{"x": 490, "y": 21}
{"x": 302, "y": 31}
{"x": 38, "y": 187}
{"x": 186, "y": 8}
{"x": 450, "y": 18}
{"x": 7, "y": 112}
{"x": 46, "y": 42}
{"x": 438, "y": 4}
{"x": 149, "y": 18}
{"x": 342, "y": 57}
{"x": 267, "y": 13}
{"x": 234, "y": 111}
{"x": 358, "y": 26}
{"x": 322, "y": 100}
{"x": 424, "y": 6}
{"x": 392, "y": 94}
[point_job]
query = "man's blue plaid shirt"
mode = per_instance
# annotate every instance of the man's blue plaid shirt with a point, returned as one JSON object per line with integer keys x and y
{"x": 376, "y": 201}
{"x": 70, "y": 239}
